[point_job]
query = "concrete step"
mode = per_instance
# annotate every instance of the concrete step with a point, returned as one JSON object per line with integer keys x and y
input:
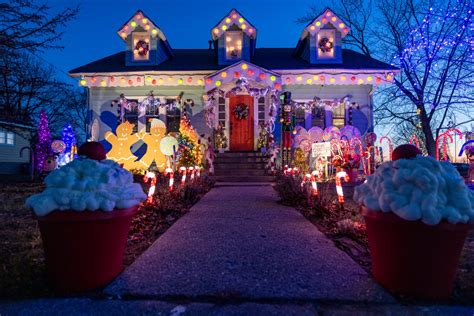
{"x": 240, "y": 172}
{"x": 240, "y": 159}
{"x": 241, "y": 154}
{"x": 244, "y": 178}
{"x": 233, "y": 165}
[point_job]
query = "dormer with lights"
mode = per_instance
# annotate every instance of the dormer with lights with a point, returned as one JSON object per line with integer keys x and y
{"x": 145, "y": 42}
{"x": 234, "y": 39}
{"x": 321, "y": 40}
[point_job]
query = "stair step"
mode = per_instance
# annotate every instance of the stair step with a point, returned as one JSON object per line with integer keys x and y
{"x": 240, "y": 172}
{"x": 233, "y": 165}
{"x": 244, "y": 179}
{"x": 240, "y": 159}
{"x": 241, "y": 154}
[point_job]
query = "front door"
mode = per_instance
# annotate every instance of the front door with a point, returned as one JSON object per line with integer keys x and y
{"x": 241, "y": 123}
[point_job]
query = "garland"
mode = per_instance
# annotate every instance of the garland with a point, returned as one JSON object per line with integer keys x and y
{"x": 241, "y": 111}
{"x": 325, "y": 45}
{"x": 142, "y": 48}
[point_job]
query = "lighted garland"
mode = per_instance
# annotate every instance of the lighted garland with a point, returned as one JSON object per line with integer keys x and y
{"x": 241, "y": 111}
{"x": 325, "y": 45}
{"x": 142, "y": 48}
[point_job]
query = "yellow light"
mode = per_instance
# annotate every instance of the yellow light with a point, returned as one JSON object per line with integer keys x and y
{"x": 148, "y": 78}
{"x": 133, "y": 24}
{"x": 312, "y": 27}
{"x": 144, "y": 20}
{"x": 83, "y": 82}
{"x": 218, "y": 83}
{"x": 332, "y": 80}
{"x": 200, "y": 81}
{"x": 343, "y": 78}
{"x": 180, "y": 81}
{"x": 360, "y": 81}
{"x": 369, "y": 78}
{"x": 103, "y": 83}
{"x": 272, "y": 78}
{"x": 123, "y": 80}
{"x": 244, "y": 66}
{"x": 227, "y": 20}
{"x": 123, "y": 34}
{"x": 241, "y": 20}
{"x": 224, "y": 74}
{"x": 243, "y": 26}
{"x": 389, "y": 77}
{"x": 170, "y": 78}
{"x": 224, "y": 27}
{"x": 228, "y": 39}
{"x": 341, "y": 25}
{"x": 147, "y": 27}
{"x": 309, "y": 81}
{"x": 160, "y": 81}
{"x": 333, "y": 19}
{"x": 154, "y": 31}
{"x": 315, "y": 78}
{"x": 216, "y": 31}
{"x": 318, "y": 23}
{"x": 299, "y": 78}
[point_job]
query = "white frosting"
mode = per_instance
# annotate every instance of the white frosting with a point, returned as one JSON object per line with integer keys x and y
{"x": 419, "y": 188}
{"x": 86, "y": 184}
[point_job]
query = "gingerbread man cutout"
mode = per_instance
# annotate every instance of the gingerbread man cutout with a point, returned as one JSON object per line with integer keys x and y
{"x": 152, "y": 140}
{"x": 121, "y": 143}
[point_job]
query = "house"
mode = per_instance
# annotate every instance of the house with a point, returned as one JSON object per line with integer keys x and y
{"x": 234, "y": 82}
{"x": 15, "y": 148}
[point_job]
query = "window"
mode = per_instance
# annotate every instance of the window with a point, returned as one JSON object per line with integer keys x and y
{"x": 325, "y": 41}
{"x": 7, "y": 138}
{"x": 261, "y": 111}
{"x": 221, "y": 111}
{"x": 300, "y": 117}
{"x": 141, "y": 46}
{"x": 233, "y": 45}
{"x": 338, "y": 115}
{"x": 318, "y": 117}
{"x": 131, "y": 114}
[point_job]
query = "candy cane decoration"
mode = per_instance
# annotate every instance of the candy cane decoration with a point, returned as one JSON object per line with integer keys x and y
{"x": 448, "y": 132}
{"x": 191, "y": 171}
{"x": 152, "y": 177}
{"x": 183, "y": 174}
{"x": 445, "y": 146}
{"x": 369, "y": 155}
{"x": 416, "y": 140}
{"x": 198, "y": 171}
{"x": 355, "y": 142}
{"x": 390, "y": 146}
{"x": 306, "y": 178}
{"x": 285, "y": 170}
{"x": 340, "y": 192}
{"x": 314, "y": 185}
{"x": 169, "y": 171}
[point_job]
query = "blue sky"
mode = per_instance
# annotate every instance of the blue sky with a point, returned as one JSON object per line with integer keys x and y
{"x": 186, "y": 24}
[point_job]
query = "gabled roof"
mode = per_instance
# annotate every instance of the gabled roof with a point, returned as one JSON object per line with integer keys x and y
{"x": 326, "y": 17}
{"x": 204, "y": 59}
{"x": 233, "y": 18}
{"x": 140, "y": 19}
{"x": 243, "y": 69}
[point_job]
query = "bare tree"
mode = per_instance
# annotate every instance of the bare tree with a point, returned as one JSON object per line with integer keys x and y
{"x": 431, "y": 43}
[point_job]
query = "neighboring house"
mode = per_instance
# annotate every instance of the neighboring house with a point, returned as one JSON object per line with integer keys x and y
{"x": 13, "y": 137}
{"x": 318, "y": 68}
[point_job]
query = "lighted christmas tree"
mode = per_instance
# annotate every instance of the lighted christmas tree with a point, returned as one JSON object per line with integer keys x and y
{"x": 43, "y": 143}
{"x": 220, "y": 138}
{"x": 300, "y": 160}
{"x": 68, "y": 137}
{"x": 262, "y": 137}
{"x": 190, "y": 154}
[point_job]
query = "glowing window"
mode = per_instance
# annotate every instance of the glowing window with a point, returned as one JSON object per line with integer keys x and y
{"x": 141, "y": 46}
{"x": 338, "y": 116}
{"x": 233, "y": 45}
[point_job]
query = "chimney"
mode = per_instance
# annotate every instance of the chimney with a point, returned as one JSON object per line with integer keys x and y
{"x": 211, "y": 42}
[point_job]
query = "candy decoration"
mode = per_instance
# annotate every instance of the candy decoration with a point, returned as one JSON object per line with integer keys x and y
{"x": 314, "y": 185}
{"x": 390, "y": 146}
{"x": 168, "y": 145}
{"x": 170, "y": 172}
{"x": 406, "y": 151}
{"x": 92, "y": 150}
{"x": 192, "y": 172}
{"x": 58, "y": 146}
{"x": 152, "y": 177}
{"x": 183, "y": 175}
{"x": 340, "y": 192}
{"x": 415, "y": 139}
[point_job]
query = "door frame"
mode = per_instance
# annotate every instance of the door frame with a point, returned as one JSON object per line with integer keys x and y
{"x": 254, "y": 124}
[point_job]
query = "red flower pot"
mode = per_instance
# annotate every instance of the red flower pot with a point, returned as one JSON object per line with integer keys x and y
{"x": 412, "y": 258}
{"x": 84, "y": 250}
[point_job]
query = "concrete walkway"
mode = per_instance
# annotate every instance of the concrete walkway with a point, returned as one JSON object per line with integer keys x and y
{"x": 238, "y": 252}
{"x": 237, "y": 243}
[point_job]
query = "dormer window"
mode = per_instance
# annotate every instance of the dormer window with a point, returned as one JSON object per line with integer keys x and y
{"x": 141, "y": 46}
{"x": 325, "y": 40}
{"x": 233, "y": 45}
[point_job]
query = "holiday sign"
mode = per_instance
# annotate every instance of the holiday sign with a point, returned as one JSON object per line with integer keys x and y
{"x": 321, "y": 150}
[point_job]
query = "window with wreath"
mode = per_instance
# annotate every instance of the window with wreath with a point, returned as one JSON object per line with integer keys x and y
{"x": 339, "y": 115}
{"x": 141, "y": 46}
{"x": 233, "y": 45}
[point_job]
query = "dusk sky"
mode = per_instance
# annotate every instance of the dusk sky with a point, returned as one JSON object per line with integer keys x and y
{"x": 186, "y": 24}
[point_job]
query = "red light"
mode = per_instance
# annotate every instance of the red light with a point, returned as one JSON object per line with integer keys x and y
{"x": 250, "y": 72}
{"x": 321, "y": 78}
{"x": 236, "y": 74}
{"x": 190, "y": 79}
{"x": 153, "y": 81}
{"x": 139, "y": 79}
{"x": 208, "y": 80}
{"x": 278, "y": 86}
{"x": 262, "y": 76}
{"x": 353, "y": 78}
{"x": 130, "y": 81}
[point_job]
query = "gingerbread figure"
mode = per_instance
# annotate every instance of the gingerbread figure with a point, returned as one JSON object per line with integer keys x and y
{"x": 121, "y": 143}
{"x": 152, "y": 140}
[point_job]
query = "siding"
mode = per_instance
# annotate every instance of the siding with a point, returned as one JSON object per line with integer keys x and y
{"x": 10, "y": 160}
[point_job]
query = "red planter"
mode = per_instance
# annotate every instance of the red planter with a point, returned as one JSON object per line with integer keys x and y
{"x": 412, "y": 258}
{"x": 84, "y": 250}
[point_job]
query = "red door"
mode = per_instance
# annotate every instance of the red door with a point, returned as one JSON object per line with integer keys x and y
{"x": 241, "y": 129}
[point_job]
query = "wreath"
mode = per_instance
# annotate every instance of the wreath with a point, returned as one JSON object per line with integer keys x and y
{"x": 241, "y": 111}
{"x": 325, "y": 45}
{"x": 142, "y": 48}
